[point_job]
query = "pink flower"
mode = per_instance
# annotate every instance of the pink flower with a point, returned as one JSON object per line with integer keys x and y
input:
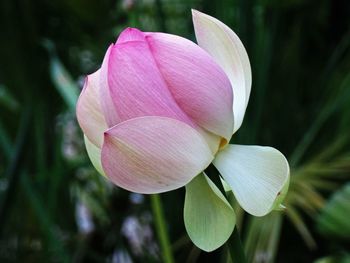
{"x": 162, "y": 108}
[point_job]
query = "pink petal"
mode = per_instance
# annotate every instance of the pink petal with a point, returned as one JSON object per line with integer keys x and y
{"x": 107, "y": 104}
{"x": 136, "y": 86}
{"x": 153, "y": 154}
{"x": 130, "y": 34}
{"x": 199, "y": 85}
{"x": 131, "y": 85}
{"x": 89, "y": 112}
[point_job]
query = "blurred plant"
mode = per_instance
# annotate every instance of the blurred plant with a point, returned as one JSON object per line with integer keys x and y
{"x": 334, "y": 218}
{"x": 335, "y": 259}
{"x": 334, "y": 224}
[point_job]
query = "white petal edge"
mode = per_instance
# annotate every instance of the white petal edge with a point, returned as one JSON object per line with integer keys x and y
{"x": 209, "y": 218}
{"x": 89, "y": 111}
{"x": 228, "y": 51}
{"x": 257, "y": 175}
{"x": 94, "y": 154}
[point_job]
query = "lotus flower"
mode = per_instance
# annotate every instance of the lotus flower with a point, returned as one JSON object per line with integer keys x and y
{"x": 161, "y": 109}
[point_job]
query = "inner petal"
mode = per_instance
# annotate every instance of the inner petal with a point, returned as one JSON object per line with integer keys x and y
{"x": 137, "y": 87}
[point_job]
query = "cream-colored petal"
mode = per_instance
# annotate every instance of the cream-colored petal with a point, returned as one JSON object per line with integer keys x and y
{"x": 89, "y": 111}
{"x": 257, "y": 175}
{"x": 209, "y": 218}
{"x": 228, "y": 51}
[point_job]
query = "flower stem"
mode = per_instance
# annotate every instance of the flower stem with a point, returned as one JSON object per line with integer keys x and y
{"x": 234, "y": 244}
{"x": 160, "y": 225}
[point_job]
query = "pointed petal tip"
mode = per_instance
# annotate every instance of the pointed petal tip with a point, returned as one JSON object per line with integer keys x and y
{"x": 130, "y": 34}
{"x": 194, "y": 11}
{"x": 111, "y": 45}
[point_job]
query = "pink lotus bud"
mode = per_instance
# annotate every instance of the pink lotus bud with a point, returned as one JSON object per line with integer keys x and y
{"x": 157, "y": 74}
{"x": 162, "y": 92}
{"x": 162, "y": 108}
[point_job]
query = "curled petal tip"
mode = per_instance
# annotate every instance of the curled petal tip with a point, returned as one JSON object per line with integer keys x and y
{"x": 258, "y": 176}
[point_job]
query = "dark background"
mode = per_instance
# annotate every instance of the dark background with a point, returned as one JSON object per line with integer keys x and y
{"x": 55, "y": 208}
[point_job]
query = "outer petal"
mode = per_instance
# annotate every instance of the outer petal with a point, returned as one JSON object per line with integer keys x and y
{"x": 89, "y": 112}
{"x": 199, "y": 85}
{"x": 228, "y": 51}
{"x": 94, "y": 154}
{"x": 256, "y": 174}
{"x": 209, "y": 218}
{"x": 153, "y": 154}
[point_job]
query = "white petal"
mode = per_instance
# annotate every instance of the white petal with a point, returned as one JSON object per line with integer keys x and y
{"x": 89, "y": 112}
{"x": 257, "y": 175}
{"x": 94, "y": 154}
{"x": 228, "y": 51}
{"x": 209, "y": 218}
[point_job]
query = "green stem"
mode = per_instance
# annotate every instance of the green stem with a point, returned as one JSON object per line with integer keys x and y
{"x": 234, "y": 244}
{"x": 160, "y": 226}
{"x": 235, "y": 248}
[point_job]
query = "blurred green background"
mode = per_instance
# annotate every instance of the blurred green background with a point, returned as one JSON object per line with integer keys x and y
{"x": 55, "y": 208}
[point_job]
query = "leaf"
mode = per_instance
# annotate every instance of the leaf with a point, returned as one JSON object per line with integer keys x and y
{"x": 334, "y": 218}
{"x": 301, "y": 226}
{"x": 63, "y": 82}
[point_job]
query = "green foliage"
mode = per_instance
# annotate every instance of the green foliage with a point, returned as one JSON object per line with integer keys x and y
{"x": 334, "y": 218}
